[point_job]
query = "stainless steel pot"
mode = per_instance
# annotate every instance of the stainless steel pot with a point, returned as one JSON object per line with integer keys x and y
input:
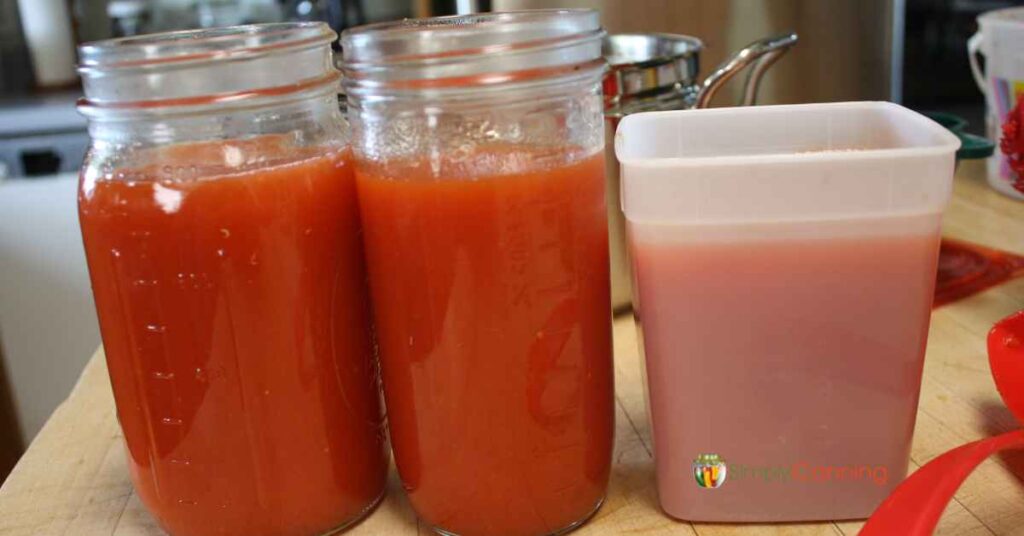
{"x": 651, "y": 72}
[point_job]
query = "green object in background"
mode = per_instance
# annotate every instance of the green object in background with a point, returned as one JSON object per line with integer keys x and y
{"x": 971, "y": 146}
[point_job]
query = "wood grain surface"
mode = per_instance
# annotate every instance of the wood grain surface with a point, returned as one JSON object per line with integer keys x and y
{"x": 73, "y": 479}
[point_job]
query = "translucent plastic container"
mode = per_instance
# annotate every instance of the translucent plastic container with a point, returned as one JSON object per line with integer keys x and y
{"x": 784, "y": 263}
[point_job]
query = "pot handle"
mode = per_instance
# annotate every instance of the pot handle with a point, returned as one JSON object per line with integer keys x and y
{"x": 761, "y": 53}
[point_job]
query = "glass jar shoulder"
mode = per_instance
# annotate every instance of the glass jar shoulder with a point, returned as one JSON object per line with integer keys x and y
{"x": 211, "y": 144}
{"x": 482, "y": 133}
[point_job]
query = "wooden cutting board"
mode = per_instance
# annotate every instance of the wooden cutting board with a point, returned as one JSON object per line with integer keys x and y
{"x": 73, "y": 480}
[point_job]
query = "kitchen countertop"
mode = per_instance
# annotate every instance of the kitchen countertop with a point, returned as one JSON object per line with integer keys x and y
{"x": 74, "y": 480}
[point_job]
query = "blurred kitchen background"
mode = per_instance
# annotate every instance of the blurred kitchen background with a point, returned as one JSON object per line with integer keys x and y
{"x": 909, "y": 51}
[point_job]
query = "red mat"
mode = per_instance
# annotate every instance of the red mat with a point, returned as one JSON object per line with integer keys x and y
{"x": 966, "y": 269}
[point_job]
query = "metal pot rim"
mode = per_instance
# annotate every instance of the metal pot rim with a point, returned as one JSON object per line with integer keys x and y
{"x": 688, "y": 47}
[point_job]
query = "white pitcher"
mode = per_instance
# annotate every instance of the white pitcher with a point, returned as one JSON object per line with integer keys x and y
{"x": 1000, "y": 39}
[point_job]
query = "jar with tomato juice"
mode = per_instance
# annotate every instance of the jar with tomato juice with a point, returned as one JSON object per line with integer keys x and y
{"x": 478, "y": 149}
{"x": 219, "y": 215}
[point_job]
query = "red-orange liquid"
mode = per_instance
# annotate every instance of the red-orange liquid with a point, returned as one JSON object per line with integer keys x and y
{"x": 236, "y": 326}
{"x": 491, "y": 299}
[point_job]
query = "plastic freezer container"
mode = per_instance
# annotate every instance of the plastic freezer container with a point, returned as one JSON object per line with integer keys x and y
{"x": 784, "y": 262}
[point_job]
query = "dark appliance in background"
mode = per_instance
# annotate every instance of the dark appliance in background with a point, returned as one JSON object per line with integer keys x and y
{"x": 40, "y": 132}
{"x": 15, "y": 66}
{"x": 41, "y": 135}
{"x": 936, "y": 73}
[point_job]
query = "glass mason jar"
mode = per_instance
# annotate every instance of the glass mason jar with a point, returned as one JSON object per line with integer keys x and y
{"x": 478, "y": 147}
{"x": 221, "y": 228}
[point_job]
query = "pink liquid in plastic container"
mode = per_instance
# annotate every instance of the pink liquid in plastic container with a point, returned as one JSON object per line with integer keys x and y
{"x": 801, "y": 346}
{"x": 784, "y": 263}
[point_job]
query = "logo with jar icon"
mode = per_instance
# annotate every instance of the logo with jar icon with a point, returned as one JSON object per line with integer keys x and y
{"x": 710, "y": 471}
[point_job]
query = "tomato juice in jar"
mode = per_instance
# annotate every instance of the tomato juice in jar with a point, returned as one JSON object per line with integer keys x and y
{"x": 478, "y": 151}
{"x": 221, "y": 228}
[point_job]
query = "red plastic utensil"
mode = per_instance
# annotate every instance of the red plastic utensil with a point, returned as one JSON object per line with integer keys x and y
{"x": 916, "y": 505}
{"x": 1006, "y": 357}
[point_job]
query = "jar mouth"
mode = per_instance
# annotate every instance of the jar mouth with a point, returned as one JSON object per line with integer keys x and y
{"x": 211, "y": 66}
{"x": 159, "y": 50}
{"x": 470, "y": 50}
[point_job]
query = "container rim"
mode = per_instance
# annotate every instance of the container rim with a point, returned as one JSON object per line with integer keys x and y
{"x": 947, "y": 142}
